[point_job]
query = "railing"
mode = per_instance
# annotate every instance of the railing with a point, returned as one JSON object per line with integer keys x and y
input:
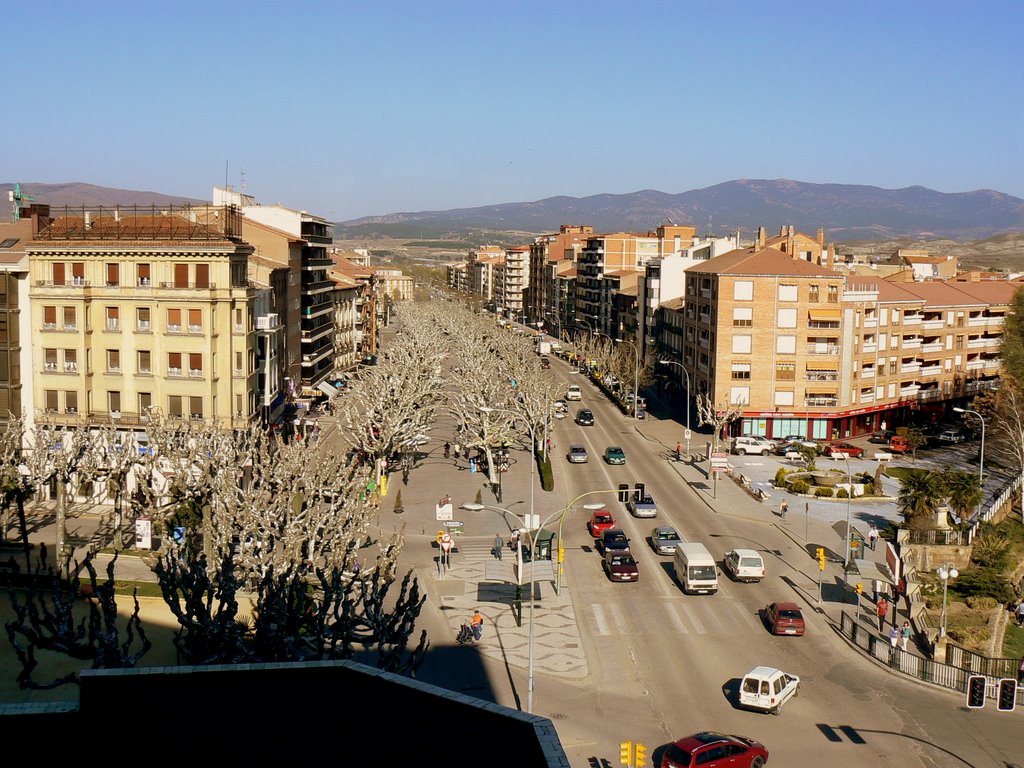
{"x": 190, "y": 286}
{"x": 976, "y": 386}
{"x": 49, "y": 326}
{"x": 74, "y": 282}
{"x": 195, "y": 373}
{"x": 142, "y": 326}
{"x": 821, "y": 401}
{"x": 913, "y": 342}
{"x": 174, "y": 372}
{"x": 867, "y": 373}
{"x": 936, "y": 536}
{"x": 113, "y": 325}
{"x": 866, "y": 397}
{"x": 933, "y": 370}
{"x": 870, "y": 322}
{"x": 929, "y": 394}
{"x": 822, "y": 349}
{"x": 934, "y": 346}
{"x": 826, "y": 324}
{"x": 174, "y": 329}
{"x": 912, "y": 319}
{"x": 811, "y": 376}
{"x": 933, "y": 324}
{"x": 195, "y": 329}
{"x": 986, "y": 511}
{"x": 870, "y": 346}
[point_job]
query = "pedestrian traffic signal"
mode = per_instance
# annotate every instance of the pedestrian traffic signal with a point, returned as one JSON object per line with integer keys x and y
{"x": 640, "y": 756}
{"x": 1005, "y": 702}
{"x": 821, "y": 558}
{"x": 626, "y": 753}
{"x": 976, "y": 685}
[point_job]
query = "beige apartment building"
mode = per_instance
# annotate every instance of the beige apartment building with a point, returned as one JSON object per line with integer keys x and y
{"x": 136, "y": 309}
{"x": 801, "y": 349}
{"x": 551, "y": 255}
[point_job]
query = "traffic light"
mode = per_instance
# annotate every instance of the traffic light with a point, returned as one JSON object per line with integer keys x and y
{"x": 976, "y": 691}
{"x": 1005, "y": 702}
{"x": 821, "y": 558}
{"x": 860, "y": 588}
{"x": 640, "y": 756}
{"x": 626, "y": 753}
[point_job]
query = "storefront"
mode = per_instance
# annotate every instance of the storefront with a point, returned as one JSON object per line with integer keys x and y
{"x": 823, "y": 426}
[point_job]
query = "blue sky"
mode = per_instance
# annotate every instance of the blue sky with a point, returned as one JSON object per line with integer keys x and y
{"x": 349, "y": 109}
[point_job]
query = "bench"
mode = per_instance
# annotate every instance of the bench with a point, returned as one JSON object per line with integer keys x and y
{"x": 882, "y": 456}
{"x": 794, "y": 456}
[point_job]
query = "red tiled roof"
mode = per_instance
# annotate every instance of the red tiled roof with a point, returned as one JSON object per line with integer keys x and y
{"x": 766, "y": 261}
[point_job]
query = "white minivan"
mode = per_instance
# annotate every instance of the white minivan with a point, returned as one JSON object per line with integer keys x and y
{"x": 574, "y": 392}
{"x": 766, "y": 689}
{"x": 695, "y": 569}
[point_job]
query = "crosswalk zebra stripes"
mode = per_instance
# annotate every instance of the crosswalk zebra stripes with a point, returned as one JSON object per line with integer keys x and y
{"x": 700, "y": 616}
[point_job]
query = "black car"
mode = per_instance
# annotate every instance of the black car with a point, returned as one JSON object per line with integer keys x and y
{"x": 612, "y": 540}
{"x": 584, "y": 417}
{"x": 882, "y": 436}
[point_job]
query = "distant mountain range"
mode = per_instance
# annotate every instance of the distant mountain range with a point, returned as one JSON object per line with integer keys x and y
{"x": 845, "y": 211}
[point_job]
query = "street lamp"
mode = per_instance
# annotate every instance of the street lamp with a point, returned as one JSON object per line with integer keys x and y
{"x": 558, "y": 571}
{"x": 945, "y": 573}
{"x": 849, "y": 496}
{"x": 686, "y": 373}
{"x": 981, "y": 458}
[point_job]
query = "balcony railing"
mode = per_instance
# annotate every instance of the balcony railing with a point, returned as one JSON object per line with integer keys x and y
{"x": 935, "y": 346}
{"x": 195, "y": 329}
{"x": 49, "y": 326}
{"x": 929, "y": 394}
{"x": 819, "y": 376}
{"x": 867, "y": 373}
{"x": 869, "y": 347}
{"x": 912, "y": 343}
{"x": 870, "y": 322}
{"x": 867, "y": 397}
{"x": 113, "y": 325}
{"x": 195, "y": 373}
{"x": 822, "y": 349}
{"x": 174, "y": 329}
{"x": 174, "y": 373}
{"x": 191, "y": 286}
{"x": 931, "y": 370}
{"x": 142, "y": 326}
{"x": 820, "y": 402}
{"x": 979, "y": 386}
{"x": 932, "y": 325}
{"x": 912, "y": 319}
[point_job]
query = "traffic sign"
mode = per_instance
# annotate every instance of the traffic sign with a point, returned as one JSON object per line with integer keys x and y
{"x": 687, "y": 435}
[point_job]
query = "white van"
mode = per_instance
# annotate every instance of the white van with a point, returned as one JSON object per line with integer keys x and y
{"x": 574, "y": 392}
{"x": 695, "y": 569}
{"x": 766, "y": 689}
{"x": 744, "y": 565}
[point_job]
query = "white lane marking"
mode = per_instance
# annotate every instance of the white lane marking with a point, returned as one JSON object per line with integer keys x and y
{"x": 673, "y": 617}
{"x": 692, "y": 617}
{"x": 602, "y": 625}
{"x": 750, "y": 619}
{"x": 618, "y": 619}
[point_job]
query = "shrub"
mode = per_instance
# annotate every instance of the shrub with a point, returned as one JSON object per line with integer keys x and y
{"x": 975, "y": 581}
{"x": 547, "y": 478}
{"x": 869, "y": 489}
{"x": 800, "y": 486}
{"x": 970, "y": 636}
{"x": 780, "y": 477}
{"x": 840, "y": 494}
{"x": 398, "y": 501}
{"x": 978, "y": 603}
{"x": 479, "y": 496}
{"x": 823, "y": 492}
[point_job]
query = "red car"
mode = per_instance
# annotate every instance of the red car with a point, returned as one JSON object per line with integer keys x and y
{"x": 714, "y": 750}
{"x": 784, "y": 619}
{"x": 600, "y": 522}
{"x": 848, "y": 448}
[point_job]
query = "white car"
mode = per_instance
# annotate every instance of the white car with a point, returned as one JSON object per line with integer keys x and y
{"x": 744, "y": 565}
{"x": 574, "y": 392}
{"x": 767, "y": 689}
{"x": 741, "y": 446}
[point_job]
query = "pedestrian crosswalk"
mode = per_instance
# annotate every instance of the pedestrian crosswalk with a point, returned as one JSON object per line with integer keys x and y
{"x": 713, "y": 615}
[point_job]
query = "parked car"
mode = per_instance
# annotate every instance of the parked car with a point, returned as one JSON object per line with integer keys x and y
{"x": 620, "y": 565}
{"x": 952, "y": 436}
{"x": 612, "y": 540}
{"x": 714, "y": 750}
{"x": 641, "y": 504}
{"x": 899, "y": 444}
{"x": 577, "y": 454}
{"x": 796, "y": 447}
{"x": 766, "y": 689}
{"x": 585, "y": 417}
{"x": 793, "y": 439}
{"x": 881, "y": 436}
{"x": 614, "y": 455}
{"x": 600, "y": 521}
{"x": 744, "y": 565}
{"x": 665, "y": 539}
{"x": 784, "y": 618}
{"x": 741, "y": 446}
{"x": 574, "y": 392}
{"x": 849, "y": 449}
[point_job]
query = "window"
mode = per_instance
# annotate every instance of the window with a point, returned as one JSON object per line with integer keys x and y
{"x": 741, "y": 370}
{"x": 892, "y": 367}
{"x": 743, "y": 290}
{"x": 195, "y": 321}
{"x": 174, "y": 321}
{"x": 739, "y": 395}
{"x": 238, "y": 406}
{"x": 49, "y": 318}
{"x": 145, "y": 364}
{"x": 70, "y": 319}
{"x": 238, "y": 364}
{"x": 114, "y": 402}
{"x": 202, "y": 275}
{"x": 195, "y": 407}
{"x": 787, "y": 292}
{"x": 812, "y": 293}
{"x": 785, "y": 372}
{"x": 142, "y": 272}
{"x": 49, "y": 359}
{"x": 142, "y": 320}
{"x": 785, "y": 345}
{"x": 113, "y": 318}
{"x": 78, "y": 273}
{"x": 113, "y": 274}
{"x": 50, "y": 400}
{"x": 784, "y": 398}
{"x": 174, "y": 363}
{"x": 787, "y": 318}
{"x": 833, "y": 294}
{"x": 742, "y": 317}
{"x": 70, "y": 401}
{"x": 195, "y": 365}
{"x": 239, "y": 327}
{"x": 113, "y": 361}
{"x": 174, "y": 406}
{"x": 741, "y": 345}
{"x": 145, "y": 402}
{"x": 181, "y": 275}
{"x": 58, "y": 273}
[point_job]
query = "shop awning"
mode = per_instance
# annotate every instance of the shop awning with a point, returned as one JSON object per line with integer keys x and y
{"x": 823, "y": 365}
{"x": 327, "y": 389}
{"x": 824, "y": 314}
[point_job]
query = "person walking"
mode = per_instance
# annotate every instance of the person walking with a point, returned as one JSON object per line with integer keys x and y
{"x": 679, "y": 451}
{"x": 905, "y": 633}
{"x": 447, "y": 450}
{"x": 894, "y": 635}
{"x": 1020, "y": 613}
{"x": 499, "y": 545}
{"x": 872, "y": 536}
{"x": 783, "y": 509}
{"x": 882, "y": 609}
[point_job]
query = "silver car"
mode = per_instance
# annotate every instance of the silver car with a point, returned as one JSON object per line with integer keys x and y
{"x": 642, "y": 505}
{"x": 577, "y": 454}
{"x": 665, "y": 539}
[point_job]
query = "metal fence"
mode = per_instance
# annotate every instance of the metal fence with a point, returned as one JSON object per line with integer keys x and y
{"x": 1003, "y": 497}
{"x": 950, "y": 676}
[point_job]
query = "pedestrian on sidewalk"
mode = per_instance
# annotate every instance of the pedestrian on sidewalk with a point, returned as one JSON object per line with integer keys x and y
{"x": 872, "y": 536}
{"x": 882, "y": 609}
{"x": 499, "y": 545}
{"x": 448, "y": 450}
{"x": 894, "y": 635}
{"x": 679, "y": 451}
{"x": 783, "y": 509}
{"x": 905, "y": 633}
{"x": 1020, "y": 613}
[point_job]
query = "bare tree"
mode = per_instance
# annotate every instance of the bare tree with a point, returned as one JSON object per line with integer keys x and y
{"x": 16, "y": 486}
{"x": 717, "y": 417}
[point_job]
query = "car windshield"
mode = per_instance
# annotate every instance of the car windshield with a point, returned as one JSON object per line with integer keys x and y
{"x": 667, "y": 535}
{"x": 788, "y": 613}
{"x": 602, "y": 518}
{"x": 702, "y": 571}
{"x": 623, "y": 560}
{"x": 615, "y": 537}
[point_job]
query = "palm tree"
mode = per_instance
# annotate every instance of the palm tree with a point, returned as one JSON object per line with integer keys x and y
{"x": 921, "y": 494}
{"x": 963, "y": 490}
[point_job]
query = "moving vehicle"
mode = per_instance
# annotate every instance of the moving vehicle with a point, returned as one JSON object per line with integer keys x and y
{"x": 714, "y": 750}
{"x": 695, "y": 569}
{"x": 620, "y": 565}
{"x": 952, "y": 436}
{"x": 641, "y": 504}
{"x": 545, "y": 362}
{"x": 577, "y": 454}
{"x": 766, "y": 689}
{"x": 613, "y": 540}
{"x": 849, "y": 449}
{"x": 784, "y": 618}
{"x": 600, "y": 521}
{"x": 585, "y": 417}
{"x": 543, "y": 348}
{"x": 614, "y": 455}
{"x": 741, "y": 446}
{"x": 665, "y": 539}
{"x": 574, "y": 392}
{"x": 744, "y": 565}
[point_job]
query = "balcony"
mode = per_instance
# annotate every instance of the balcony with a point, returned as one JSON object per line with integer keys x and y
{"x": 913, "y": 319}
{"x": 195, "y": 330}
{"x": 73, "y": 327}
{"x": 50, "y": 367}
{"x": 822, "y": 349}
{"x": 142, "y": 326}
{"x": 113, "y": 325}
{"x": 977, "y": 320}
{"x": 869, "y": 347}
{"x": 820, "y": 401}
{"x": 73, "y": 282}
{"x": 870, "y": 322}
{"x": 914, "y": 342}
{"x": 980, "y": 386}
{"x": 933, "y": 324}
{"x": 867, "y": 396}
{"x": 913, "y": 367}
{"x": 174, "y": 373}
{"x": 975, "y": 365}
{"x": 174, "y": 329}
{"x": 867, "y": 373}
{"x": 929, "y": 394}
{"x": 822, "y": 376}
{"x": 192, "y": 286}
{"x": 49, "y": 326}
{"x": 931, "y": 370}
{"x": 195, "y": 373}
{"x": 70, "y": 367}
{"x": 910, "y": 390}
{"x": 933, "y": 346}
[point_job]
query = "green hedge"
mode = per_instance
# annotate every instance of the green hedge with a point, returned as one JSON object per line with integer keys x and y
{"x": 547, "y": 477}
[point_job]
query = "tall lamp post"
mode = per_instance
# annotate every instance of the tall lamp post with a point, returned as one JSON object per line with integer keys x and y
{"x": 569, "y": 506}
{"x": 686, "y": 373}
{"x": 945, "y": 573}
{"x": 981, "y": 457}
{"x": 533, "y": 447}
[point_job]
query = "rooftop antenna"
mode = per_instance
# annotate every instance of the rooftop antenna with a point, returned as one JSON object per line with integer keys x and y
{"x": 226, "y": 187}
{"x": 241, "y": 174}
